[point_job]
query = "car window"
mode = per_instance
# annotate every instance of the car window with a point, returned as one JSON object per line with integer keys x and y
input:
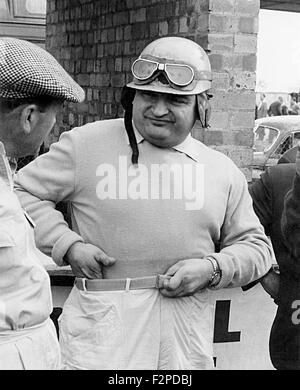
{"x": 285, "y": 144}
{"x": 288, "y": 143}
{"x": 264, "y": 138}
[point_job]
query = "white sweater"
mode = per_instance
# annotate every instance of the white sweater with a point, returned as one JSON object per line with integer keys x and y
{"x": 147, "y": 225}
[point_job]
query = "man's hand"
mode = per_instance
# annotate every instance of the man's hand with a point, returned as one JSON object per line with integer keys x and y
{"x": 86, "y": 260}
{"x": 186, "y": 277}
{"x": 270, "y": 283}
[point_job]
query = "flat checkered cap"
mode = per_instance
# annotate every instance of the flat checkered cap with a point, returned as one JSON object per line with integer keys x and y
{"x": 27, "y": 70}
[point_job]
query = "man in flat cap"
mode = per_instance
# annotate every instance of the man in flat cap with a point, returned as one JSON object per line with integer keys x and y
{"x": 174, "y": 214}
{"x": 32, "y": 87}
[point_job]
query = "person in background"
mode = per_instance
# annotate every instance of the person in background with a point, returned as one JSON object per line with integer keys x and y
{"x": 159, "y": 221}
{"x": 294, "y": 107}
{"x": 33, "y": 86}
{"x": 275, "y": 108}
{"x": 268, "y": 194}
{"x": 262, "y": 108}
{"x": 284, "y": 109}
{"x": 288, "y": 336}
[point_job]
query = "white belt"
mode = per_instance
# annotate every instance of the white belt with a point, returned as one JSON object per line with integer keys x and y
{"x": 120, "y": 284}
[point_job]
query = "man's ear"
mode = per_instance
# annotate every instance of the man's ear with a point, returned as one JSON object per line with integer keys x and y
{"x": 29, "y": 117}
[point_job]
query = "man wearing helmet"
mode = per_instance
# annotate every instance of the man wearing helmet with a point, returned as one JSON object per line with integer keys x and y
{"x": 150, "y": 205}
{"x": 33, "y": 86}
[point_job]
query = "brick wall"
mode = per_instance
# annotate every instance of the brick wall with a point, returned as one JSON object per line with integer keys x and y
{"x": 96, "y": 42}
{"x": 232, "y": 37}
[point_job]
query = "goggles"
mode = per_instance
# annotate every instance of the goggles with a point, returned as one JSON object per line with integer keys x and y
{"x": 145, "y": 71}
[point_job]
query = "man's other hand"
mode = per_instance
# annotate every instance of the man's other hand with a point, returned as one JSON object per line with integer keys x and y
{"x": 187, "y": 277}
{"x": 87, "y": 260}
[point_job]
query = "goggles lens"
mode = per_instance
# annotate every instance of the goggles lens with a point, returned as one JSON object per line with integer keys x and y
{"x": 181, "y": 75}
{"x": 143, "y": 69}
{"x": 178, "y": 74}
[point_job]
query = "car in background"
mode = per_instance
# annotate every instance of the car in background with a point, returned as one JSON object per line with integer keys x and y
{"x": 273, "y": 136}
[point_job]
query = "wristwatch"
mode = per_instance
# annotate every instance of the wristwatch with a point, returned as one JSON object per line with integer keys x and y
{"x": 217, "y": 273}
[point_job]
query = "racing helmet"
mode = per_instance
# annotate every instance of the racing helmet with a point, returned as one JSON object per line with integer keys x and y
{"x": 172, "y": 65}
{"x": 184, "y": 65}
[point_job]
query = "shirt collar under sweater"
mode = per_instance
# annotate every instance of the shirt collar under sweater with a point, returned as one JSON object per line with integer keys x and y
{"x": 187, "y": 147}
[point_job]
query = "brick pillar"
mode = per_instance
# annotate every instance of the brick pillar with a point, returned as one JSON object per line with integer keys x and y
{"x": 232, "y": 39}
{"x": 97, "y": 41}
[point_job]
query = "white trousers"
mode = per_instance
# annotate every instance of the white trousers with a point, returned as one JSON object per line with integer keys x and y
{"x": 34, "y": 348}
{"x": 136, "y": 329}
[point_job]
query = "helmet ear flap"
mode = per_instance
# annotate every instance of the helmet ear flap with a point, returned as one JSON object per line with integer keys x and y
{"x": 204, "y": 109}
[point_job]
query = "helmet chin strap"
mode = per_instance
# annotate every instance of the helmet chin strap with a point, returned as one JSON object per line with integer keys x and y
{"x": 127, "y": 97}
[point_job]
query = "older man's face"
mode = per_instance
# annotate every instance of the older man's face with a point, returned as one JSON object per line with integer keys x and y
{"x": 45, "y": 123}
{"x": 22, "y": 141}
{"x": 164, "y": 120}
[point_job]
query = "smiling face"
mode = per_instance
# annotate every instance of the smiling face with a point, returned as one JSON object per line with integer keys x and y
{"x": 164, "y": 120}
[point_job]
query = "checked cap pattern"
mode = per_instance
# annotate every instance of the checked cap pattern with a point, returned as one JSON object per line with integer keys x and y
{"x": 27, "y": 70}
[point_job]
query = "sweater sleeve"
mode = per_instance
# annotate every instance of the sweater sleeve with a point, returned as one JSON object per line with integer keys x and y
{"x": 245, "y": 253}
{"x": 41, "y": 184}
